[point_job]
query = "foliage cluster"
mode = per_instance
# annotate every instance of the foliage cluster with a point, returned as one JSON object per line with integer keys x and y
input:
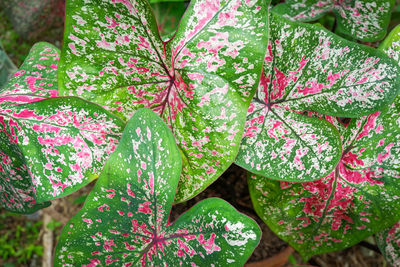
{"x": 157, "y": 114}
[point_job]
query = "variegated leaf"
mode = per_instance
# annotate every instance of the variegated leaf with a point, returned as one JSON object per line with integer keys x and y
{"x": 16, "y": 191}
{"x": 359, "y": 198}
{"x": 388, "y": 242}
{"x": 309, "y": 68}
{"x": 365, "y": 20}
{"x": 124, "y": 221}
{"x": 53, "y": 147}
{"x": 201, "y": 82}
{"x": 36, "y": 79}
{"x": 65, "y": 142}
{"x": 391, "y": 45}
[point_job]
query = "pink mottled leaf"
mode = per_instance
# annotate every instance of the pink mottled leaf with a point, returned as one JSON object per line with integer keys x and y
{"x": 36, "y": 79}
{"x": 308, "y": 68}
{"x": 359, "y": 198}
{"x": 124, "y": 221}
{"x": 65, "y": 142}
{"x": 365, "y": 20}
{"x": 391, "y": 44}
{"x": 200, "y": 82}
{"x": 49, "y": 147}
{"x": 388, "y": 242}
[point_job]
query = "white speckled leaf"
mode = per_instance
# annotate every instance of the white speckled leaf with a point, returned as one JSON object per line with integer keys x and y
{"x": 201, "y": 82}
{"x": 36, "y": 79}
{"x": 52, "y": 147}
{"x": 308, "y": 68}
{"x": 359, "y": 198}
{"x": 124, "y": 221}
{"x": 388, "y": 242}
{"x": 365, "y": 20}
{"x": 288, "y": 145}
{"x": 65, "y": 142}
{"x": 391, "y": 44}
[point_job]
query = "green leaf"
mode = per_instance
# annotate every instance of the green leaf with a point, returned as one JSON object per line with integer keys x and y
{"x": 65, "y": 142}
{"x": 201, "y": 82}
{"x": 309, "y": 68}
{"x": 52, "y": 147}
{"x": 124, "y": 220}
{"x": 365, "y": 20}
{"x": 168, "y": 15}
{"x": 36, "y": 79}
{"x": 357, "y": 199}
{"x": 391, "y": 45}
{"x": 388, "y": 242}
{"x": 388, "y": 239}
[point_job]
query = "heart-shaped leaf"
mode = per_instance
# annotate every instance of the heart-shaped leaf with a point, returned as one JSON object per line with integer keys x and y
{"x": 36, "y": 79}
{"x": 359, "y": 198}
{"x": 65, "y": 142}
{"x": 125, "y": 218}
{"x": 365, "y": 20}
{"x": 388, "y": 242}
{"x": 53, "y": 147}
{"x": 201, "y": 82}
{"x": 309, "y": 68}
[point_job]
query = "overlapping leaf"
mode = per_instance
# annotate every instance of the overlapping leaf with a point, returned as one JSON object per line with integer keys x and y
{"x": 124, "y": 221}
{"x": 53, "y": 147}
{"x": 201, "y": 82}
{"x": 365, "y": 20}
{"x": 388, "y": 242}
{"x": 359, "y": 198}
{"x": 391, "y": 45}
{"x": 309, "y": 68}
{"x": 36, "y": 79}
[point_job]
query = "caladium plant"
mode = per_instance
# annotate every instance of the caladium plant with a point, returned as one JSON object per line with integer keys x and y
{"x": 365, "y": 20}
{"x": 124, "y": 221}
{"x": 200, "y": 82}
{"x": 359, "y": 198}
{"x": 310, "y": 68}
{"x": 50, "y": 147}
{"x": 388, "y": 242}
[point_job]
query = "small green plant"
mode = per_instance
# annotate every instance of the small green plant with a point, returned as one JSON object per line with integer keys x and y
{"x": 21, "y": 244}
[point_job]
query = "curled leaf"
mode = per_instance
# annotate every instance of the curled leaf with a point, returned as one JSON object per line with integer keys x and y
{"x": 200, "y": 82}
{"x": 365, "y": 20}
{"x": 50, "y": 146}
{"x": 308, "y": 68}
{"x": 124, "y": 220}
{"x": 357, "y": 199}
